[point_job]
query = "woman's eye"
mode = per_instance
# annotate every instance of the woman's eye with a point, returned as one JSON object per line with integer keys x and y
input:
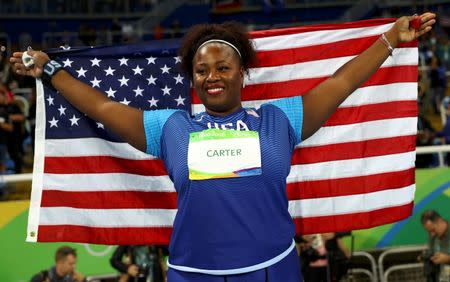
{"x": 223, "y": 68}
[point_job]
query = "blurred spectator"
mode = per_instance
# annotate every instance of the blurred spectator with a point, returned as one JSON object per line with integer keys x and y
{"x": 443, "y": 136}
{"x": 176, "y": 29}
{"x": 116, "y": 31}
{"x": 32, "y": 116}
{"x": 5, "y": 128}
{"x": 437, "y": 257}
{"x": 324, "y": 257}
{"x": 16, "y": 137}
{"x": 140, "y": 263}
{"x": 158, "y": 32}
{"x": 425, "y": 137}
{"x": 438, "y": 83}
{"x": 64, "y": 269}
{"x": 87, "y": 35}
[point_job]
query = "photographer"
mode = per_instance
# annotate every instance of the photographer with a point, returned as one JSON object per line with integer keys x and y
{"x": 63, "y": 270}
{"x": 437, "y": 258}
{"x": 324, "y": 257}
{"x": 140, "y": 263}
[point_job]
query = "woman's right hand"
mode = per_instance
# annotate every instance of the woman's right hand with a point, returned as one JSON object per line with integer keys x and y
{"x": 39, "y": 57}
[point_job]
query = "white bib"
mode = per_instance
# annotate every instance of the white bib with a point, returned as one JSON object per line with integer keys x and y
{"x": 215, "y": 153}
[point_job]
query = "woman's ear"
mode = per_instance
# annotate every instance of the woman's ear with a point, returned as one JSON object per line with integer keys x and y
{"x": 242, "y": 72}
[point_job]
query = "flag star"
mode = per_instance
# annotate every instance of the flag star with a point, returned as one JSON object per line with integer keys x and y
{"x": 62, "y": 110}
{"x": 81, "y": 72}
{"x": 165, "y": 51}
{"x": 153, "y": 102}
{"x": 110, "y": 71}
{"x": 151, "y": 80}
{"x": 100, "y": 125}
{"x": 137, "y": 70}
{"x": 68, "y": 63}
{"x": 151, "y": 60}
{"x": 125, "y": 101}
{"x": 65, "y": 47}
{"x": 96, "y": 82}
{"x": 138, "y": 91}
{"x": 177, "y": 59}
{"x": 166, "y": 90}
{"x": 50, "y": 100}
{"x": 123, "y": 81}
{"x": 74, "y": 120}
{"x": 165, "y": 69}
{"x": 111, "y": 92}
{"x": 123, "y": 61}
{"x": 180, "y": 101}
{"x": 53, "y": 122}
{"x": 178, "y": 79}
{"x": 95, "y": 62}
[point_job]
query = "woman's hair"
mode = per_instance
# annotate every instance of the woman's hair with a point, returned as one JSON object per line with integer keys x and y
{"x": 232, "y": 32}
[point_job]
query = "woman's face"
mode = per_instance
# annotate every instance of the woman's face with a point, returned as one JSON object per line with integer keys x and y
{"x": 218, "y": 78}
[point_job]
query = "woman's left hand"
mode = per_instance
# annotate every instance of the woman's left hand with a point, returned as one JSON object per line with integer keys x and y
{"x": 407, "y": 33}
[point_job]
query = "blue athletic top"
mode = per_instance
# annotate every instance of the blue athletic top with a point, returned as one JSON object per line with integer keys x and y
{"x": 229, "y": 225}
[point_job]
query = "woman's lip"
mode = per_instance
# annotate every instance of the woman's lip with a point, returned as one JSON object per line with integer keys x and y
{"x": 215, "y": 90}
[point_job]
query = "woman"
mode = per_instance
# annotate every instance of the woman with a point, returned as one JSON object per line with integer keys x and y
{"x": 228, "y": 164}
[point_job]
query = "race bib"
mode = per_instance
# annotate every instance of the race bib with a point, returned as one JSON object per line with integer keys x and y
{"x": 215, "y": 153}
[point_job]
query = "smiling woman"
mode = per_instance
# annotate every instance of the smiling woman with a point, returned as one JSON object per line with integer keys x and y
{"x": 232, "y": 221}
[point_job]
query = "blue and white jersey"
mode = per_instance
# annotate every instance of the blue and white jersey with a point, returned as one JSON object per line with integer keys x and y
{"x": 229, "y": 225}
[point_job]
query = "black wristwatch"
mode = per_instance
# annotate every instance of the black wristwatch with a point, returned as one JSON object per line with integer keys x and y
{"x": 50, "y": 69}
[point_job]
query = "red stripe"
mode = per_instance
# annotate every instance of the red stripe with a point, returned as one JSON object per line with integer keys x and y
{"x": 349, "y": 47}
{"x": 302, "y": 29}
{"x": 348, "y": 222}
{"x": 277, "y": 90}
{"x": 103, "y": 164}
{"x": 107, "y": 236}
{"x": 109, "y": 199}
{"x": 350, "y": 186}
{"x": 354, "y": 150}
{"x": 364, "y": 113}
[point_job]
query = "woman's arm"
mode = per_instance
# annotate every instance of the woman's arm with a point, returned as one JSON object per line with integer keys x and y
{"x": 125, "y": 121}
{"x": 322, "y": 101}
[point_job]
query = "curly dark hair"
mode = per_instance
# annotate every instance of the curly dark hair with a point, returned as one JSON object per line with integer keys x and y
{"x": 233, "y": 32}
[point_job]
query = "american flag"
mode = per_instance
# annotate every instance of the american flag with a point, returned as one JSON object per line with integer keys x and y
{"x": 356, "y": 172}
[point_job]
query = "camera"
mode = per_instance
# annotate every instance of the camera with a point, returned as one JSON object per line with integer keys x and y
{"x": 429, "y": 268}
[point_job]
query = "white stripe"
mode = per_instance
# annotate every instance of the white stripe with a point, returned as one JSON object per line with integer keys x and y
{"x": 107, "y": 217}
{"x": 362, "y": 131}
{"x": 280, "y": 42}
{"x": 352, "y": 204}
{"x": 322, "y": 68}
{"x": 93, "y": 147}
{"x": 402, "y": 91}
{"x": 38, "y": 166}
{"x": 236, "y": 270}
{"x": 351, "y": 168}
{"x": 107, "y": 182}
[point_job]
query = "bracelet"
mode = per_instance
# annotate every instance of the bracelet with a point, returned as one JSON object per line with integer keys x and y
{"x": 50, "y": 69}
{"x": 388, "y": 45}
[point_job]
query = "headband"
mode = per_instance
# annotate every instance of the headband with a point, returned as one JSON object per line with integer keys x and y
{"x": 220, "y": 41}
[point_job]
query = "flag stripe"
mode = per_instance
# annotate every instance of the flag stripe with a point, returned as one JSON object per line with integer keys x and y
{"x": 353, "y": 150}
{"x": 345, "y": 222}
{"x": 103, "y": 164}
{"x": 107, "y": 217}
{"x": 290, "y": 88}
{"x": 352, "y": 167}
{"x": 102, "y": 235}
{"x": 343, "y": 48}
{"x": 109, "y": 199}
{"x": 349, "y": 186}
{"x": 107, "y": 182}
{"x": 388, "y": 110}
{"x": 362, "y": 131}
{"x": 352, "y": 203}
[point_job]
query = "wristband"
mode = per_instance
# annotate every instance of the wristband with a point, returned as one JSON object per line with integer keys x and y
{"x": 50, "y": 69}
